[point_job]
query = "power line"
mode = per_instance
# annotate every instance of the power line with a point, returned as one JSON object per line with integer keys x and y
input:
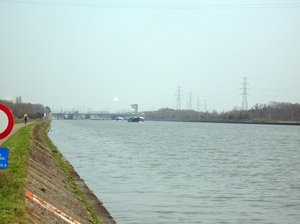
{"x": 157, "y": 6}
{"x": 296, "y": 87}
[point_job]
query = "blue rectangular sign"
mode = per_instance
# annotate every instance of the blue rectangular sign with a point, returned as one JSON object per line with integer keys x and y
{"x": 4, "y": 152}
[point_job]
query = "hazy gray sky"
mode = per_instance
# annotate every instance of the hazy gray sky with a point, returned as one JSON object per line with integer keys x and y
{"x": 84, "y": 54}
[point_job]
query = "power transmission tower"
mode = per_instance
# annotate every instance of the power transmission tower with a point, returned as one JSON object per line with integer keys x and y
{"x": 205, "y": 106}
{"x": 190, "y": 106}
{"x": 245, "y": 103}
{"x": 178, "y": 99}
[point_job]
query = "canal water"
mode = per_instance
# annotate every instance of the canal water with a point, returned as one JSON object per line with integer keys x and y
{"x": 179, "y": 172}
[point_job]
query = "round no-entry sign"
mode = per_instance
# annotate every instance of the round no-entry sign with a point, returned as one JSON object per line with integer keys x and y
{"x": 6, "y": 121}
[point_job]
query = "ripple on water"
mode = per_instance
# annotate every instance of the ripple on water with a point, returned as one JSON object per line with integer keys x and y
{"x": 172, "y": 172}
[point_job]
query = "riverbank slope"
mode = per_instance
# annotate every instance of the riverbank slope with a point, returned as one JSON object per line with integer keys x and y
{"x": 53, "y": 191}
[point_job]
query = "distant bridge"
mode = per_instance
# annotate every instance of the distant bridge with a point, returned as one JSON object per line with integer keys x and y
{"x": 89, "y": 116}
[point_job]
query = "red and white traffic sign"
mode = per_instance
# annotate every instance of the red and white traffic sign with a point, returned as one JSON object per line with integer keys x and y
{"x": 6, "y": 121}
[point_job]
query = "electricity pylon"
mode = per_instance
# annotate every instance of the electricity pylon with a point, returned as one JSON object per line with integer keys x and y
{"x": 178, "y": 99}
{"x": 245, "y": 103}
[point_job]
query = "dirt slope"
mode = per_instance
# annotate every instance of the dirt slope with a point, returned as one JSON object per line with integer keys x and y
{"x": 50, "y": 192}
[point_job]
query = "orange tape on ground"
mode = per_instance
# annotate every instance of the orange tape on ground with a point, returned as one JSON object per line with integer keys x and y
{"x": 49, "y": 207}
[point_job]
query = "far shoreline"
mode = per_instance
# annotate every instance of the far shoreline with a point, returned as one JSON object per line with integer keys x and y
{"x": 251, "y": 122}
{"x": 238, "y": 122}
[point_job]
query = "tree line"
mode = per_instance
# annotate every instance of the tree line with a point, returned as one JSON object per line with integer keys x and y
{"x": 272, "y": 112}
{"x": 18, "y": 108}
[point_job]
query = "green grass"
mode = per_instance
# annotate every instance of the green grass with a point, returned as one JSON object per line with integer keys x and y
{"x": 12, "y": 179}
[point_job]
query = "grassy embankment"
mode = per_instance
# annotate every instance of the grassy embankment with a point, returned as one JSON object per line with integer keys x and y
{"x": 12, "y": 180}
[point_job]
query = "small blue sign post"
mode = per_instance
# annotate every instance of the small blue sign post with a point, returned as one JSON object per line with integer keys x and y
{"x": 4, "y": 153}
